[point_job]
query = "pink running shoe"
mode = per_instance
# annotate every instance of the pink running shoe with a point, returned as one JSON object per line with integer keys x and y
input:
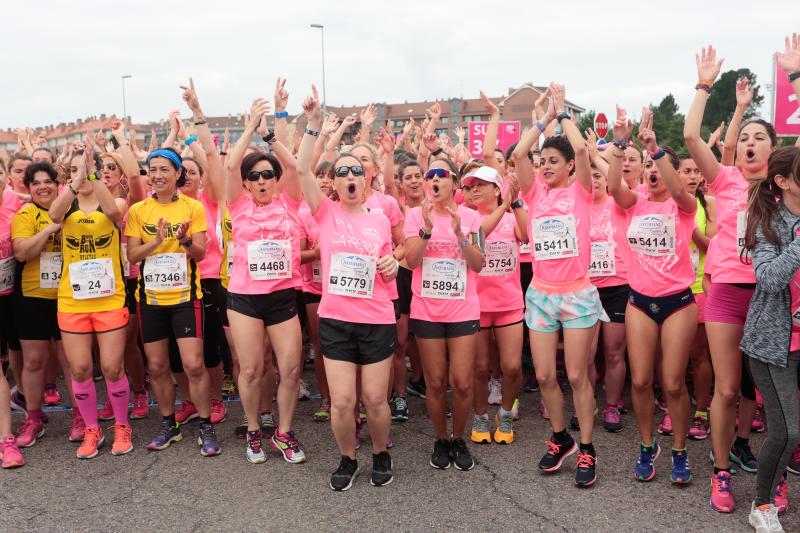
{"x": 51, "y": 395}
{"x": 665, "y": 427}
{"x": 782, "y": 495}
{"x": 140, "y": 406}
{"x": 611, "y": 419}
{"x": 187, "y": 411}
{"x": 758, "y": 424}
{"x": 106, "y": 412}
{"x": 699, "y": 428}
{"x": 722, "y": 493}
{"x": 218, "y": 412}
{"x": 543, "y": 411}
{"x": 77, "y": 429}
{"x": 28, "y": 432}
{"x": 9, "y": 453}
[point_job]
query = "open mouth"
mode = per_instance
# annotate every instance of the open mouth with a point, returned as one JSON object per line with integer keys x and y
{"x": 351, "y": 188}
{"x": 750, "y": 155}
{"x": 653, "y": 179}
{"x": 435, "y": 189}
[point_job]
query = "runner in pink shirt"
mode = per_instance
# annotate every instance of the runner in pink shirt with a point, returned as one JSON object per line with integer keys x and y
{"x": 659, "y": 230}
{"x": 504, "y": 222}
{"x": 266, "y": 271}
{"x": 441, "y": 250}
{"x": 732, "y": 278}
{"x": 357, "y": 318}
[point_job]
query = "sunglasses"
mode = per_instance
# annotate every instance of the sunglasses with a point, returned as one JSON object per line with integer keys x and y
{"x": 111, "y": 166}
{"x": 342, "y": 172}
{"x": 441, "y": 172}
{"x": 266, "y": 174}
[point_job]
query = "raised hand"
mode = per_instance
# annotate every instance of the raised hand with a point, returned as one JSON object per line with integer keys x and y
{"x": 118, "y": 131}
{"x": 744, "y": 94}
{"x": 330, "y": 124}
{"x": 461, "y": 134}
{"x": 444, "y": 140}
{"x": 557, "y": 96}
{"x": 488, "y": 105}
{"x": 716, "y": 135}
{"x": 431, "y": 141}
{"x": 512, "y": 191}
{"x": 257, "y": 110}
{"x": 646, "y": 133}
{"x": 311, "y": 107}
{"x": 226, "y": 140}
{"x": 408, "y": 127}
{"x": 427, "y": 207}
{"x": 707, "y": 65}
{"x": 591, "y": 143}
{"x": 262, "y": 126}
{"x": 348, "y": 121}
{"x": 182, "y": 230}
{"x": 539, "y": 106}
{"x": 368, "y": 115}
{"x": 435, "y": 111}
{"x": 386, "y": 141}
{"x": 623, "y": 127}
{"x": 281, "y": 95}
{"x": 190, "y": 97}
{"x": 789, "y": 59}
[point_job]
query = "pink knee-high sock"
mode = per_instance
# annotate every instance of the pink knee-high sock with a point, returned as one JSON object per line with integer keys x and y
{"x": 119, "y": 394}
{"x": 86, "y": 398}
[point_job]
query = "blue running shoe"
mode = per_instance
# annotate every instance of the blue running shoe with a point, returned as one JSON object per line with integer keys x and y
{"x": 681, "y": 472}
{"x": 645, "y": 469}
{"x": 207, "y": 440}
{"x": 169, "y": 433}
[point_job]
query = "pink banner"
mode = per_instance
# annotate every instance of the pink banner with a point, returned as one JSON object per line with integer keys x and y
{"x": 507, "y": 134}
{"x": 787, "y": 112}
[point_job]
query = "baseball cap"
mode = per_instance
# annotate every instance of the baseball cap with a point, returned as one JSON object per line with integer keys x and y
{"x": 484, "y": 173}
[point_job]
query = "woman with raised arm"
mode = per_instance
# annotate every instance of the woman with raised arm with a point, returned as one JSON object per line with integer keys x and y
{"x": 732, "y": 276}
{"x": 91, "y": 298}
{"x": 266, "y": 271}
{"x": 357, "y": 322}
{"x": 661, "y": 307}
{"x": 492, "y": 154}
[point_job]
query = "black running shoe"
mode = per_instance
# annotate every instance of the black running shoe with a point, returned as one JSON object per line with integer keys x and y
{"x": 441, "y": 454}
{"x": 462, "y": 459}
{"x": 585, "y": 471}
{"x": 416, "y": 388}
{"x": 343, "y": 478}
{"x": 399, "y": 409}
{"x": 743, "y": 456}
{"x": 556, "y": 453}
{"x": 381, "y": 469}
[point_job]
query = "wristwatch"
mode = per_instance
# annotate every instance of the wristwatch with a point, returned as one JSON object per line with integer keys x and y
{"x": 187, "y": 242}
{"x": 92, "y": 177}
{"x": 424, "y": 235}
{"x": 516, "y": 204}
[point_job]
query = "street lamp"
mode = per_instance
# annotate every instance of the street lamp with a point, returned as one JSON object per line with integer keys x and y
{"x": 322, "y": 34}
{"x": 124, "y": 107}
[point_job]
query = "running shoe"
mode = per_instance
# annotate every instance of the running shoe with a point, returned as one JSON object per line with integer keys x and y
{"x": 169, "y": 433}
{"x": 699, "y": 428}
{"x": 105, "y": 413}
{"x": 343, "y": 478}
{"x": 462, "y": 459}
{"x": 228, "y": 385}
{"x": 287, "y": 444}
{"x": 665, "y": 427}
{"x": 515, "y": 410}
{"x": 218, "y": 412}
{"x": 543, "y": 411}
{"x": 303, "y": 393}
{"x": 681, "y": 471}
{"x": 381, "y": 470}
{"x": 504, "y": 434}
{"x": 532, "y": 385}
{"x": 621, "y": 408}
{"x": 77, "y": 427}
{"x": 362, "y": 411}
{"x": 722, "y": 492}
{"x": 359, "y": 425}
{"x": 556, "y": 453}
{"x": 92, "y": 440}
{"x": 645, "y": 467}
{"x": 28, "y": 432}
{"x": 122, "y": 440}
{"x": 389, "y": 441}
{"x": 764, "y": 518}
{"x": 96, "y": 374}
{"x": 241, "y": 429}
{"x": 441, "y": 454}
{"x": 661, "y": 403}
{"x": 481, "y": 432}
{"x": 10, "y": 454}
{"x": 18, "y": 401}
{"x": 267, "y": 422}
{"x": 743, "y": 456}
{"x": 399, "y": 409}
{"x": 611, "y": 419}
{"x": 140, "y": 405}
{"x": 758, "y": 424}
{"x": 207, "y": 440}
{"x": 255, "y": 453}
{"x": 782, "y": 496}
{"x": 794, "y": 461}
{"x": 323, "y": 414}
{"x": 585, "y": 474}
{"x": 187, "y": 411}
{"x": 416, "y": 388}
{"x": 495, "y": 391}
{"x": 51, "y": 395}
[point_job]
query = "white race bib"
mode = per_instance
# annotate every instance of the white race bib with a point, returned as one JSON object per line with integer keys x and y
{"x": 316, "y": 271}
{"x": 444, "y": 278}
{"x": 229, "y": 258}
{"x": 501, "y": 258}
{"x": 555, "y": 237}
{"x": 525, "y": 248}
{"x": 603, "y": 262}
{"x": 352, "y": 275}
{"x": 741, "y": 227}
{"x": 695, "y": 256}
{"x": 93, "y": 278}
{"x": 165, "y": 272}
{"x": 653, "y": 235}
{"x": 126, "y": 265}
{"x": 269, "y": 259}
{"x": 7, "y": 268}
{"x": 49, "y": 270}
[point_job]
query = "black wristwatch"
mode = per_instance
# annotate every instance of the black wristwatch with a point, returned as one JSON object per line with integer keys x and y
{"x": 437, "y": 151}
{"x": 187, "y": 242}
{"x": 269, "y": 138}
{"x": 516, "y": 204}
{"x": 424, "y": 235}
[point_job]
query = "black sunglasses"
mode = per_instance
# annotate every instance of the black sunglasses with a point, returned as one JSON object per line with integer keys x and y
{"x": 441, "y": 172}
{"x": 342, "y": 172}
{"x": 266, "y": 174}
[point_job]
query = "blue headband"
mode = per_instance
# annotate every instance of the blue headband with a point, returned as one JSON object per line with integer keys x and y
{"x": 166, "y": 154}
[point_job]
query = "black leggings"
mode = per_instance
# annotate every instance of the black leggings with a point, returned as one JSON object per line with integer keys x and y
{"x": 778, "y": 387}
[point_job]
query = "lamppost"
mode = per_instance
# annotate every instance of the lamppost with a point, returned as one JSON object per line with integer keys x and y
{"x": 124, "y": 107}
{"x": 322, "y": 35}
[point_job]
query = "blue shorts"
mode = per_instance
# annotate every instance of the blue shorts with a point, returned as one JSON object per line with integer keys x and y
{"x": 547, "y": 312}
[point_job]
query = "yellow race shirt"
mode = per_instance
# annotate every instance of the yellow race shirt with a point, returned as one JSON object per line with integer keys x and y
{"x": 227, "y": 250}
{"x": 91, "y": 278}
{"x": 168, "y": 276}
{"x": 39, "y": 276}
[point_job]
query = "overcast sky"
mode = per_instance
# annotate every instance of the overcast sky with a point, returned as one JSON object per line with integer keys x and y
{"x": 63, "y": 60}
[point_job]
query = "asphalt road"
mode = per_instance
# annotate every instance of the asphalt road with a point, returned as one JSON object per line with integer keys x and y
{"x": 178, "y": 490}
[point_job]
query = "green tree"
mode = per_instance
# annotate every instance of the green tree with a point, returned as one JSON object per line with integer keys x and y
{"x": 587, "y": 120}
{"x": 668, "y": 124}
{"x": 722, "y": 101}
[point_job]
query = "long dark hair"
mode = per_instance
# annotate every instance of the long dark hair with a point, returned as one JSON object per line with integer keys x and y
{"x": 764, "y": 197}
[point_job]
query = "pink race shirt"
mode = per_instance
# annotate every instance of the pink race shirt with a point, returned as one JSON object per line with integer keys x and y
{"x": 499, "y": 287}
{"x": 266, "y": 242}
{"x": 209, "y": 266}
{"x": 658, "y": 235}
{"x": 729, "y": 188}
{"x": 385, "y": 204}
{"x": 310, "y": 272}
{"x": 448, "y": 292}
{"x": 559, "y": 230}
{"x": 525, "y": 255}
{"x": 350, "y": 246}
{"x": 607, "y": 268}
{"x": 8, "y": 264}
